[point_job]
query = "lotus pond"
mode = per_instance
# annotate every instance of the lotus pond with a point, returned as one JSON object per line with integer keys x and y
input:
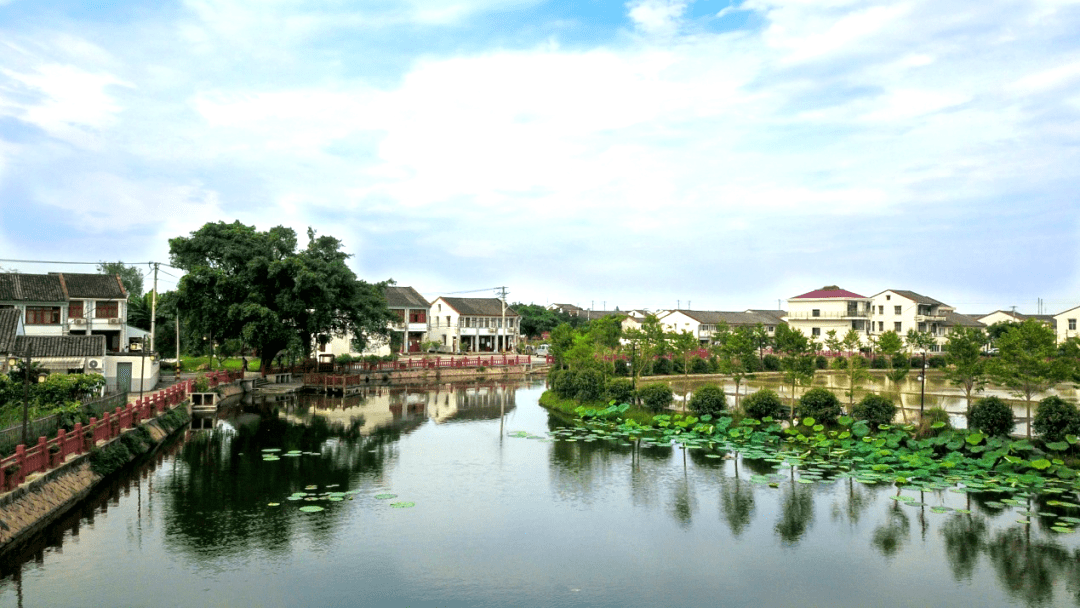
{"x": 474, "y": 495}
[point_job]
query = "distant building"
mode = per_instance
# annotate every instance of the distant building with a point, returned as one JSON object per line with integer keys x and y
{"x": 703, "y": 324}
{"x": 61, "y": 304}
{"x": 473, "y": 325}
{"x": 411, "y": 326}
{"x": 817, "y": 312}
{"x": 1065, "y": 323}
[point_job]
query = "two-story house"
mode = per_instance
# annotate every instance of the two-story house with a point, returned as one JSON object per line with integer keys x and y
{"x": 408, "y": 329}
{"x": 97, "y": 306}
{"x": 704, "y": 323}
{"x": 1065, "y": 324}
{"x": 473, "y": 324}
{"x": 817, "y": 312}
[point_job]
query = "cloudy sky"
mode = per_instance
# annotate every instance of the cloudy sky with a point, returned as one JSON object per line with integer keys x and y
{"x": 637, "y": 154}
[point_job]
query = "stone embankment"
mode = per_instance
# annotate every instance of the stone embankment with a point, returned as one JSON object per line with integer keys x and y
{"x": 43, "y": 498}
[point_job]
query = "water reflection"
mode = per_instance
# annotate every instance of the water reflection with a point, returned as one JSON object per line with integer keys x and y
{"x": 796, "y": 512}
{"x": 892, "y": 535}
{"x": 737, "y": 504}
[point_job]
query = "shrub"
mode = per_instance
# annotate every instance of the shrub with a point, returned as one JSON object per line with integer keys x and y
{"x": 879, "y": 363}
{"x": 862, "y": 362}
{"x": 992, "y": 416}
{"x": 772, "y": 363}
{"x": 916, "y": 362}
{"x": 821, "y": 405}
{"x": 622, "y": 367}
{"x": 1056, "y": 418}
{"x": 714, "y": 365}
{"x": 875, "y": 409}
{"x": 902, "y": 362}
{"x": 621, "y": 390}
{"x": 821, "y": 362}
{"x": 761, "y": 404}
{"x": 838, "y": 363}
{"x": 930, "y": 417}
{"x": 699, "y": 366}
{"x": 588, "y": 385}
{"x": 708, "y": 399}
{"x": 562, "y": 382}
{"x": 936, "y": 362}
{"x": 657, "y": 397}
{"x": 201, "y": 384}
{"x": 753, "y": 365}
{"x": 662, "y": 366}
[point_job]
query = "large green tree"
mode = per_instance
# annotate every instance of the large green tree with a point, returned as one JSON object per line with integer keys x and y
{"x": 259, "y": 287}
{"x": 797, "y": 363}
{"x": 856, "y": 370}
{"x": 966, "y": 367}
{"x": 130, "y": 276}
{"x": 1026, "y": 362}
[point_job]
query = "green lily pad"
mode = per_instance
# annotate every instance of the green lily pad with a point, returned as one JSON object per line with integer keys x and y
{"x": 402, "y": 505}
{"x": 272, "y": 449}
{"x": 385, "y": 496}
{"x": 312, "y": 509}
{"x": 274, "y": 504}
{"x": 270, "y": 458}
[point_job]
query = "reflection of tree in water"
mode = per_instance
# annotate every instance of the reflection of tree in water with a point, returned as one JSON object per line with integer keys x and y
{"x": 1029, "y": 569}
{"x": 759, "y": 466}
{"x": 856, "y": 500}
{"x": 796, "y": 512}
{"x": 964, "y": 536}
{"x": 218, "y": 494}
{"x": 579, "y": 467}
{"x": 891, "y": 536}
{"x": 737, "y": 504}
{"x": 682, "y": 505}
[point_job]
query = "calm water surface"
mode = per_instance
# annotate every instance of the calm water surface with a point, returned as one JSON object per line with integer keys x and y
{"x": 501, "y": 520}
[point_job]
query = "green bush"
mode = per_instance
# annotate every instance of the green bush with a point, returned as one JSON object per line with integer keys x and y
{"x": 762, "y": 404}
{"x": 838, "y": 363}
{"x": 936, "y": 362}
{"x": 622, "y": 368}
{"x": 588, "y": 385}
{"x": 931, "y": 417}
{"x": 714, "y": 365}
{"x": 699, "y": 366}
{"x": 562, "y": 382}
{"x": 875, "y": 409}
{"x": 879, "y": 363}
{"x": 1056, "y": 418}
{"x": 708, "y": 399}
{"x": 821, "y": 405}
{"x": 753, "y": 365}
{"x": 662, "y": 366}
{"x": 821, "y": 362}
{"x": 861, "y": 361}
{"x": 992, "y": 416}
{"x": 657, "y": 397}
{"x": 621, "y": 390}
{"x": 772, "y": 363}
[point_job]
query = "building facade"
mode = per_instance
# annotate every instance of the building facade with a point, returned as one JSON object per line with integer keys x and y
{"x": 473, "y": 325}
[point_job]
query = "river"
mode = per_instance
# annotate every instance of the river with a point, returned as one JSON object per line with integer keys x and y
{"x": 488, "y": 510}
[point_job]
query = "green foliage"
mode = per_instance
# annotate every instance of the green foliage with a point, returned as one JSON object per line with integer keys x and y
{"x": 992, "y": 416}
{"x": 110, "y": 458}
{"x": 257, "y": 286}
{"x": 875, "y": 409}
{"x": 1056, "y": 418}
{"x": 771, "y": 363}
{"x": 821, "y": 405}
{"x": 934, "y": 421}
{"x": 620, "y": 390}
{"x": 662, "y": 366}
{"x": 838, "y": 363}
{"x": 708, "y": 399}
{"x": 622, "y": 367}
{"x": 537, "y": 319}
{"x": 762, "y": 404}
{"x": 656, "y": 397}
{"x": 130, "y": 276}
{"x": 1026, "y": 362}
{"x": 879, "y": 363}
{"x": 699, "y": 366}
{"x": 588, "y": 384}
{"x": 821, "y": 362}
{"x": 966, "y": 367}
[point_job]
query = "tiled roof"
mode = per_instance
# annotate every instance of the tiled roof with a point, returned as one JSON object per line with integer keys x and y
{"x": 18, "y": 287}
{"x": 61, "y": 346}
{"x": 828, "y": 293}
{"x": 97, "y": 286}
{"x": 733, "y": 319}
{"x": 479, "y": 307}
{"x": 404, "y": 297}
{"x": 917, "y": 298}
{"x": 9, "y": 324}
{"x": 953, "y": 319}
{"x": 778, "y": 315}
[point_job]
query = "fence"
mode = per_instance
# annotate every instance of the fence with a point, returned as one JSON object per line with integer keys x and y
{"x": 434, "y": 363}
{"x": 50, "y": 453}
{"x": 47, "y": 425}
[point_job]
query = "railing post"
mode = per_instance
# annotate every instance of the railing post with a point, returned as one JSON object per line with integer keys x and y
{"x": 80, "y": 441}
{"x": 61, "y": 440}
{"x": 43, "y": 453}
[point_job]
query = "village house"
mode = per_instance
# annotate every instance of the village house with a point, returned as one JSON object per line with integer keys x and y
{"x": 901, "y": 310}
{"x": 703, "y": 324}
{"x": 817, "y": 312}
{"x": 1065, "y": 323}
{"x": 473, "y": 325}
{"x": 408, "y": 331}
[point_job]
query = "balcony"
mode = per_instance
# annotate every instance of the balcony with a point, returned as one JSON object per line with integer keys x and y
{"x": 828, "y": 315}
{"x": 930, "y": 318}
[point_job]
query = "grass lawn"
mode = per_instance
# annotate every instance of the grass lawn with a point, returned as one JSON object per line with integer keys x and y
{"x": 566, "y": 407}
{"x": 191, "y": 364}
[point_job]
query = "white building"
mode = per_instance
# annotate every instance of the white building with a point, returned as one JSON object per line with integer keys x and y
{"x": 409, "y": 328}
{"x": 473, "y": 325}
{"x": 704, "y": 323}
{"x": 1065, "y": 322}
{"x": 816, "y": 312}
{"x": 901, "y": 310}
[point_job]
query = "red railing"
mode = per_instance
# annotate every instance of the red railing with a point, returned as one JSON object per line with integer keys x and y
{"x": 50, "y": 453}
{"x": 435, "y": 362}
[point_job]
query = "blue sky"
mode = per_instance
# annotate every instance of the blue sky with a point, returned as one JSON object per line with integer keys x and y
{"x": 637, "y": 154}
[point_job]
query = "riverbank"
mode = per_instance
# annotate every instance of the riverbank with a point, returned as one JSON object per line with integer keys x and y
{"x": 567, "y": 409}
{"x": 44, "y": 498}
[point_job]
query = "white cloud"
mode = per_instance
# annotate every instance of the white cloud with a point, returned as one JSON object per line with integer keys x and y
{"x": 657, "y": 16}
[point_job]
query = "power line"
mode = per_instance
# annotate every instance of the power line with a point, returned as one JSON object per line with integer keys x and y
{"x": 85, "y": 263}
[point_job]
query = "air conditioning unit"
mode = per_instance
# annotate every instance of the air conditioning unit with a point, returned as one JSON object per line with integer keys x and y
{"x": 116, "y": 321}
{"x": 78, "y": 321}
{"x": 93, "y": 364}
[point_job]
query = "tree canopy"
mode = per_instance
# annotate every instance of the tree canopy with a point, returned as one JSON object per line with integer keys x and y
{"x": 130, "y": 276}
{"x": 259, "y": 287}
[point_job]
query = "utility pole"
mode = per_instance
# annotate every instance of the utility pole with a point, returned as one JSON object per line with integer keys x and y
{"x": 502, "y": 296}
{"x": 26, "y": 394}
{"x": 177, "y": 344}
{"x": 153, "y": 308}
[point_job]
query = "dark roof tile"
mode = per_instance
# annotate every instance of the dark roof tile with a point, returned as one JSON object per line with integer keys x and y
{"x": 9, "y": 326}
{"x": 404, "y": 297}
{"x": 97, "y": 286}
{"x": 479, "y": 307}
{"x": 18, "y": 287}
{"x": 61, "y": 346}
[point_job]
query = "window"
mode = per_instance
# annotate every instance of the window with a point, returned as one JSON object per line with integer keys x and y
{"x": 934, "y": 348}
{"x": 888, "y": 297}
{"x": 42, "y": 315}
{"x": 1072, "y": 324}
{"x": 418, "y": 316}
{"x": 881, "y": 326}
{"x": 922, "y": 327}
{"x": 896, "y": 327}
{"x": 400, "y": 314}
{"x": 816, "y": 312}
{"x": 898, "y": 310}
{"x": 75, "y": 310}
{"x": 816, "y": 331}
{"x": 107, "y": 310}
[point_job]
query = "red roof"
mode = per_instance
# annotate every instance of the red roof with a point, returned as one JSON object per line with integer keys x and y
{"x": 829, "y": 293}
